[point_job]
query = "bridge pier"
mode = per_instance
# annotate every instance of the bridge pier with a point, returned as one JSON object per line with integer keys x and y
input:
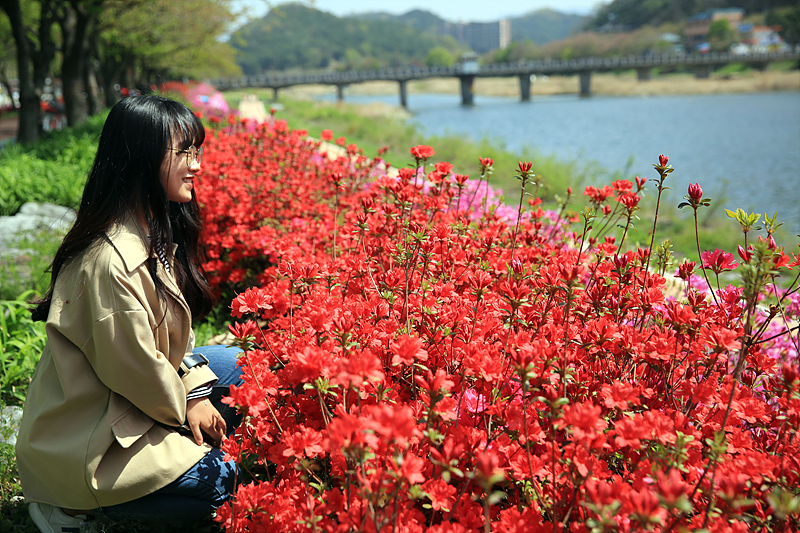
{"x": 467, "y": 94}
{"x": 702, "y": 72}
{"x": 525, "y": 87}
{"x": 340, "y": 92}
{"x": 586, "y": 83}
{"x": 403, "y": 93}
{"x": 644, "y": 73}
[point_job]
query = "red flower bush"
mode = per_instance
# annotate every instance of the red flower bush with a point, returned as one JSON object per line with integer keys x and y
{"x": 414, "y": 362}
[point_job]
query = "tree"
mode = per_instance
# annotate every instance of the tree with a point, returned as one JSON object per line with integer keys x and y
{"x": 154, "y": 40}
{"x": 76, "y": 18}
{"x": 788, "y": 19}
{"x": 720, "y": 35}
{"x": 632, "y": 14}
{"x": 29, "y": 102}
{"x": 8, "y": 54}
{"x": 296, "y": 36}
{"x": 150, "y": 39}
{"x": 439, "y": 57}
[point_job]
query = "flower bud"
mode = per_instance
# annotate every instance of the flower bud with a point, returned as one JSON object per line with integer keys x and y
{"x": 686, "y": 269}
{"x": 695, "y": 192}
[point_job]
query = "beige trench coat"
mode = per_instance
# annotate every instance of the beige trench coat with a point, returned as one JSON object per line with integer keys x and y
{"x": 93, "y": 428}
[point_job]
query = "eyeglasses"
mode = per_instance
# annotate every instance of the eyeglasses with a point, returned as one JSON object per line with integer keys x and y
{"x": 192, "y": 154}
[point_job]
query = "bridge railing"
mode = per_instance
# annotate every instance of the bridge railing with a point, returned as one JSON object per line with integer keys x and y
{"x": 520, "y": 68}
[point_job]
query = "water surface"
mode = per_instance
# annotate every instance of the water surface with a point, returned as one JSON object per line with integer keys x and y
{"x": 743, "y": 149}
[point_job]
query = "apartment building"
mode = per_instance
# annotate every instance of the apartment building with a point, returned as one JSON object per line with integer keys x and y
{"x": 482, "y": 37}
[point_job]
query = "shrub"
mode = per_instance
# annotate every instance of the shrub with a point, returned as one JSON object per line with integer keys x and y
{"x": 53, "y": 171}
{"x": 420, "y": 360}
{"x": 21, "y": 345}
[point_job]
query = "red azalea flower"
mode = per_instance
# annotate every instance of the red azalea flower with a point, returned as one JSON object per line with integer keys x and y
{"x": 422, "y": 152}
{"x": 718, "y": 261}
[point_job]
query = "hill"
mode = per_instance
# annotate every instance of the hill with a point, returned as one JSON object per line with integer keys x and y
{"x": 297, "y": 36}
{"x": 632, "y": 14}
{"x": 418, "y": 19}
{"x": 545, "y": 25}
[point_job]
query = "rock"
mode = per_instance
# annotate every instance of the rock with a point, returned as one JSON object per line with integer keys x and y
{"x": 224, "y": 339}
{"x": 47, "y": 216}
{"x": 31, "y": 221}
{"x": 33, "y": 217}
{"x": 9, "y": 424}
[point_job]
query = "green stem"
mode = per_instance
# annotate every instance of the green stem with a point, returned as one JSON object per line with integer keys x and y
{"x": 700, "y": 257}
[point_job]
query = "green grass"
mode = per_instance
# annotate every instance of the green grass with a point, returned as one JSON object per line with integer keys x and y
{"x": 21, "y": 343}
{"x": 27, "y": 270}
{"x": 52, "y": 170}
{"x": 556, "y": 175}
{"x": 371, "y": 133}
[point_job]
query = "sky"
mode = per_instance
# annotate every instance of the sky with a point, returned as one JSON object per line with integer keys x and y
{"x": 451, "y": 10}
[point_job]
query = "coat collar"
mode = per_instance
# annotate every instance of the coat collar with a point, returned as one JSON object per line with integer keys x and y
{"x": 131, "y": 242}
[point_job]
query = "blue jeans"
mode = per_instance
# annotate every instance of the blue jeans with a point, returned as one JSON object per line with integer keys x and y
{"x": 209, "y": 483}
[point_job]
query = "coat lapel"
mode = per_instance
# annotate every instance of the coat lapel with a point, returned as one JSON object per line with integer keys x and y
{"x": 130, "y": 240}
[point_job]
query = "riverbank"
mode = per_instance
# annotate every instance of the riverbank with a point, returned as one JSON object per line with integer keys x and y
{"x": 610, "y": 84}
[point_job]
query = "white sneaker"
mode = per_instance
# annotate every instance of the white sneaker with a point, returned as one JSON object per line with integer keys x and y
{"x": 51, "y": 519}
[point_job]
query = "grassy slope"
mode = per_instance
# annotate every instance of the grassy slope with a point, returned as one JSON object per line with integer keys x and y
{"x": 372, "y": 127}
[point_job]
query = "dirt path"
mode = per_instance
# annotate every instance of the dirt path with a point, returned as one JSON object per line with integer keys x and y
{"x": 8, "y": 128}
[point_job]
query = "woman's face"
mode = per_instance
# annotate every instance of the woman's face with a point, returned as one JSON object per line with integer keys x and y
{"x": 177, "y": 176}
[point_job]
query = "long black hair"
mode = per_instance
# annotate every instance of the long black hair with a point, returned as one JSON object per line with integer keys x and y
{"x": 124, "y": 182}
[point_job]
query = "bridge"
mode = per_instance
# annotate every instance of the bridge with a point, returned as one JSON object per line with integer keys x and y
{"x": 467, "y": 71}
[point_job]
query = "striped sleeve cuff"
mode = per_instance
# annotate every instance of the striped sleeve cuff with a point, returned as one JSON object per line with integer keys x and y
{"x": 200, "y": 392}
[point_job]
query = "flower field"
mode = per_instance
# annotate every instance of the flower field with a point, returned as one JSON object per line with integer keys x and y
{"x": 422, "y": 358}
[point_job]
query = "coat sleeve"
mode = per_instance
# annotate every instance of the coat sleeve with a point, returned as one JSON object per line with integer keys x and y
{"x": 123, "y": 354}
{"x": 121, "y": 346}
{"x": 198, "y": 375}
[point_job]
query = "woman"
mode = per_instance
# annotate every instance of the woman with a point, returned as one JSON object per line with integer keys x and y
{"x": 122, "y": 417}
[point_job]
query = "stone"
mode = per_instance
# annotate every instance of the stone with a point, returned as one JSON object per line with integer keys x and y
{"x": 10, "y": 417}
{"x": 31, "y": 217}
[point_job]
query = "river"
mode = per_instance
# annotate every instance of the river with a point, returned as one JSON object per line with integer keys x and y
{"x": 743, "y": 149}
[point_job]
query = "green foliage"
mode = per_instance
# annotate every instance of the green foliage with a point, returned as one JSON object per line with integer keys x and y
{"x": 296, "y": 36}
{"x": 720, "y": 29}
{"x": 28, "y": 270}
{"x": 53, "y": 170}
{"x": 175, "y": 37}
{"x": 589, "y": 44}
{"x": 721, "y": 35}
{"x": 439, "y": 57}
{"x": 211, "y": 327}
{"x": 545, "y": 25}
{"x": 788, "y": 18}
{"x": 21, "y": 345}
{"x": 632, "y": 14}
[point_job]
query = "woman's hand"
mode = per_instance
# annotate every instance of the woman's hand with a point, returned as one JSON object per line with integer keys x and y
{"x": 202, "y": 417}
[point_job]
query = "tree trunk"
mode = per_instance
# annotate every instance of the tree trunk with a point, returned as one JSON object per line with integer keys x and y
{"x": 90, "y": 84}
{"x": 29, "y": 104}
{"x": 74, "y": 24}
{"x": 107, "y": 76}
{"x": 43, "y": 57}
